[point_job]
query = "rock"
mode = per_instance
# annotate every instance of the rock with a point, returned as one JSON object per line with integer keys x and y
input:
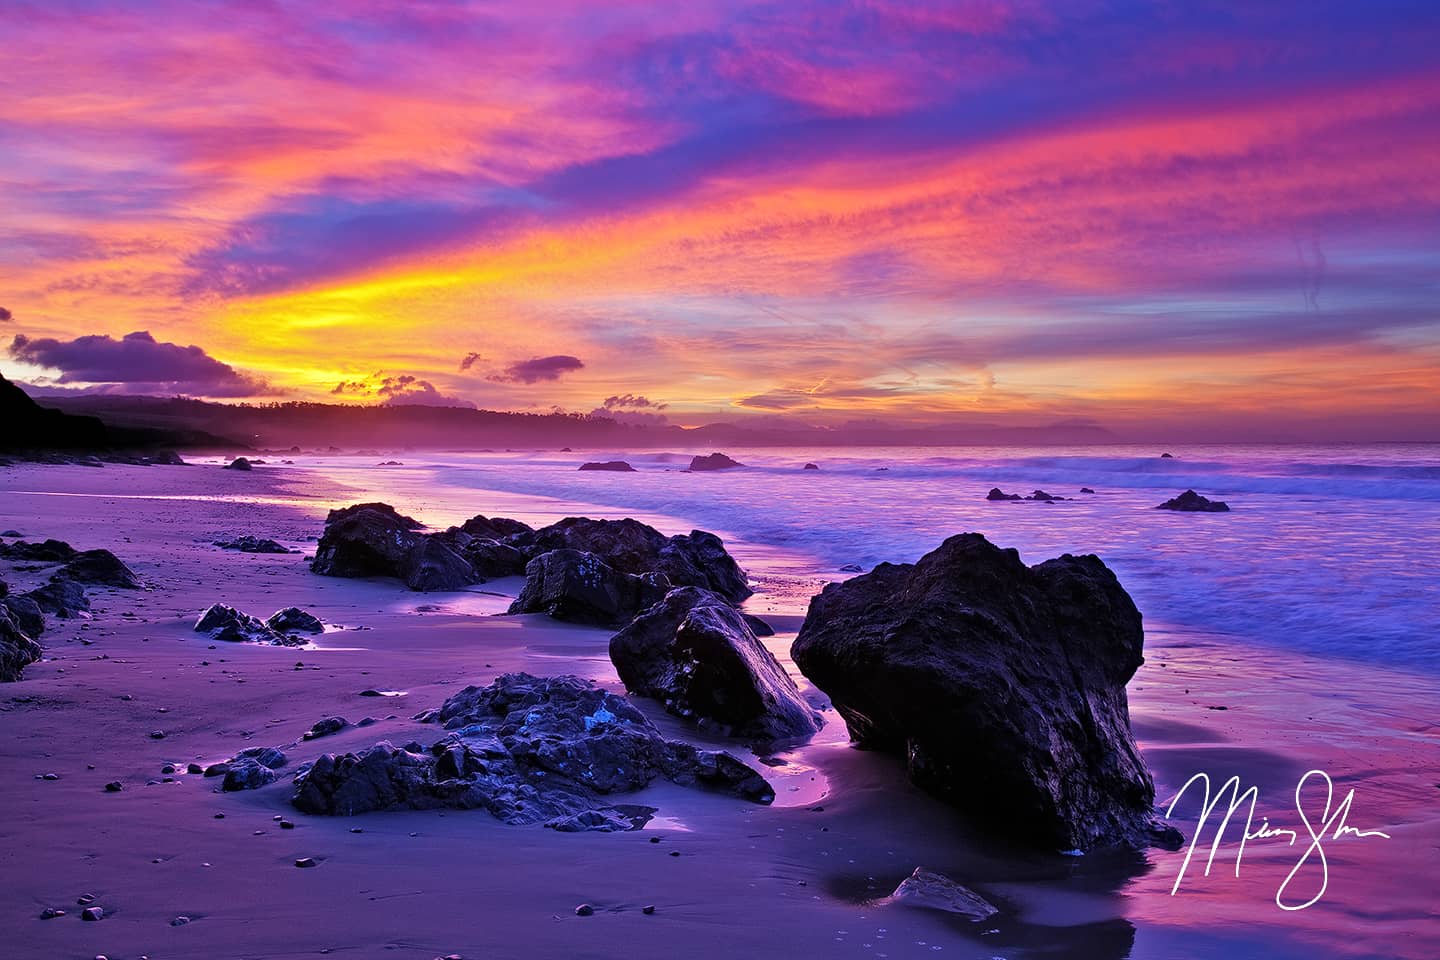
{"x": 529, "y": 750}
{"x": 935, "y": 891}
{"x": 167, "y": 458}
{"x": 697, "y": 655}
{"x": 490, "y": 558}
{"x": 294, "y": 620}
{"x": 179, "y": 921}
{"x": 265, "y": 756}
{"x": 648, "y": 909}
{"x": 997, "y": 494}
{"x": 99, "y": 566}
{"x": 247, "y": 774}
{"x": 1002, "y": 685}
{"x": 51, "y": 551}
{"x": 306, "y": 862}
{"x": 612, "y": 466}
{"x": 250, "y": 544}
{"x": 1192, "y": 502}
{"x": 92, "y": 914}
{"x": 217, "y": 769}
{"x": 220, "y": 622}
{"x": 584, "y": 910}
{"x": 716, "y": 461}
{"x": 1043, "y": 496}
{"x": 194, "y": 768}
{"x": 497, "y": 528}
{"x": 60, "y": 598}
{"x": 757, "y": 626}
{"x": 50, "y": 913}
{"x": 25, "y": 613}
{"x": 326, "y": 727}
{"x": 239, "y": 463}
{"x": 114, "y": 786}
{"x": 1166, "y": 456}
{"x": 18, "y": 648}
{"x": 372, "y": 540}
{"x": 810, "y": 466}
{"x": 581, "y": 588}
{"x": 1086, "y": 490}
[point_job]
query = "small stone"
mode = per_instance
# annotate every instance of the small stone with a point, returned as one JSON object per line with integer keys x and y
{"x": 286, "y": 825}
{"x": 157, "y": 734}
{"x": 179, "y": 921}
{"x": 85, "y": 898}
{"x": 219, "y": 816}
{"x": 674, "y": 853}
{"x": 306, "y": 862}
{"x": 356, "y": 830}
{"x": 648, "y": 909}
{"x": 168, "y": 768}
{"x": 194, "y": 768}
{"x": 93, "y": 913}
{"x": 584, "y": 910}
{"x": 654, "y": 839}
{"x": 114, "y": 786}
{"x": 50, "y": 913}
{"x": 50, "y": 776}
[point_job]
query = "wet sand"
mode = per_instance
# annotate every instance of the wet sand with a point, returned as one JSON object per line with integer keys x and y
{"x": 789, "y": 879}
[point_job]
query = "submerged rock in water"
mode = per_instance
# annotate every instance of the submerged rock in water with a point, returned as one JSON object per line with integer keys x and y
{"x": 611, "y": 466}
{"x": 715, "y": 461}
{"x": 529, "y": 750}
{"x": 581, "y": 588}
{"x": 697, "y": 655}
{"x": 1002, "y": 685}
{"x": 99, "y": 566}
{"x": 935, "y": 891}
{"x": 1192, "y": 502}
{"x": 252, "y": 544}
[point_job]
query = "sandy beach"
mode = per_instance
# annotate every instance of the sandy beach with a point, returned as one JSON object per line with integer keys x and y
{"x": 796, "y": 878}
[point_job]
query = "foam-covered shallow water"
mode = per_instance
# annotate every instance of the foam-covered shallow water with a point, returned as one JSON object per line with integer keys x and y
{"x": 1327, "y": 549}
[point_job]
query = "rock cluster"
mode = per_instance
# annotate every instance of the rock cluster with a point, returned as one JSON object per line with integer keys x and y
{"x": 528, "y": 749}
{"x": 696, "y": 654}
{"x": 252, "y": 544}
{"x": 1192, "y": 502}
{"x": 1002, "y": 686}
{"x": 996, "y": 494}
{"x": 282, "y": 628}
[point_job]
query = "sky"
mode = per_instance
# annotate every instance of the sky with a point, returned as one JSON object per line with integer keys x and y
{"x": 1216, "y": 217}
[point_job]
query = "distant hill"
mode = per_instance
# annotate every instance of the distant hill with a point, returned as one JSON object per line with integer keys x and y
{"x": 26, "y": 425}
{"x": 350, "y": 427}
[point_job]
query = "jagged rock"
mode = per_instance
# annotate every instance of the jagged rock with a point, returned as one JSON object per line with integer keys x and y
{"x": 250, "y": 544}
{"x": 696, "y": 654}
{"x": 325, "y": 727}
{"x": 612, "y": 466}
{"x": 1086, "y": 490}
{"x": 697, "y": 559}
{"x": 51, "y": 551}
{"x": 1192, "y": 502}
{"x": 581, "y": 588}
{"x": 1043, "y": 496}
{"x": 935, "y": 891}
{"x": 294, "y": 620}
{"x": 248, "y": 774}
{"x": 529, "y": 750}
{"x": 434, "y": 566}
{"x": 232, "y": 626}
{"x": 60, "y": 598}
{"x": 99, "y": 566}
{"x": 265, "y": 756}
{"x": 239, "y": 463}
{"x": 372, "y": 540}
{"x": 997, "y": 494}
{"x": 26, "y": 614}
{"x": 18, "y": 649}
{"x": 491, "y": 558}
{"x": 384, "y": 509}
{"x": 716, "y": 461}
{"x": 494, "y": 528}
{"x": 1002, "y": 685}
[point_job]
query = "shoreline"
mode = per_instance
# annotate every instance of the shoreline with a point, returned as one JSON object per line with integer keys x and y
{"x": 66, "y": 837}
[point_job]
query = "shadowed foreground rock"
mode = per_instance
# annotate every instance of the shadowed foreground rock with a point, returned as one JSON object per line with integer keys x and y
{"x": 528, "y": 749}
{"x": 1002, "y": 685}
{"x": 18, "y": 648}
{"x": 372, "y": 540}
{"x": 579, "y": 587}
{"x": 99, "y": 566}
{"x": 1192, "y": 502}
{"x": 697, "y": 655}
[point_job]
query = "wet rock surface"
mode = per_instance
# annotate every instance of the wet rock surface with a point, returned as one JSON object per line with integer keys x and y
{"x": 1002, "y": 685}
{"x": 698, "y": 656}
{"x": 580, "y": 587}
{"x": 715, "y": 461}
{"x": 294, "y": 620}
{"x": 18, "y": 648}
{"x": 935, "y": 891}
{"x": 220, "y": 622}
{"x": 1192, "y": 502}
{"x": 373, "y": 540}
{"x": 528, "y": 749}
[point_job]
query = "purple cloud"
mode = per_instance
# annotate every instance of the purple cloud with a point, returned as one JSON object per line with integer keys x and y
{"x": 5, "y": 315}
{"x": 138, "y": 363}
{"x": 632, "y": 401}
{"x": 469, "y": 360}
{"x": 538, "y": 368}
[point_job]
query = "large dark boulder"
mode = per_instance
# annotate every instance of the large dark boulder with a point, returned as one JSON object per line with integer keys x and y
{"x": 239, "y": 463}
{"x": 60, "y": 598}
{"x": 1002, "y": 685}
{"x": 528, "y": 749}
{"x": 431, "y": 565}
{"x": 18, "y": 649}
{"x": 99, "y": 566}
{"x": 384, "y": 509}
{"x": 716, "y": 461}
{"x": 373, "y": 540}
{"x": 26, "y": 614}
{"x": 488, "y": 557}
{"x": 294, "y": 620}
{"x": 51, "y": 551}
{"x": 582, "y": 588}
{"x": 1192, "y": 502}
{"x": 697, "y": 559}
{"x": 698, "y": 655}
{"x": 494, "y": 528}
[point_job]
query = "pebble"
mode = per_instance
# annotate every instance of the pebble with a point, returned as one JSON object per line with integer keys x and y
{"x": 286, "y": 825}
{"x": 648, "y": 909}
{"x": 114, "y": 786}
{"x": 86, "y": 898}
{"x": 50, "y": 913}
{"x": 654, "y": 839}
{"x": 194, "y": 768}
{"x": 674, "y": 853}
{"x": 179, "y": 921}
{"x": 168, "y": 768}
{"x": 219, "y": 816}
{"x": 306, "y": 862}
{"x": 157, "y": 734}
{"x": 584, "y": 910}
{"x": 93, "y": 913}
{"x": 356, "y": 830}
{"x": 50, "y": 776}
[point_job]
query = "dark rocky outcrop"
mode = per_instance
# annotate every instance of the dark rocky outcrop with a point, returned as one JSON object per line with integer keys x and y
{"x": 18, "y": 648}
{"x": 251, "y": 544}
{"x": 811, "y": 466}
{"x": 325, "y": 728}
{"x": 51, "y": 551}
{"x": 612, "y": 466}
{"x": 230, "y": 625}
{"x": 696, "y": 559}
{"x": 1002, "y": 685}
{"x": 715, "y": 461}
{"x": 239, "y": 463}
{"x": 1192, "y": 502}
{"x": 294, "y": 620}
{"x": 494, "y": 528}
{"x": 1086, "y": 490}
{"x": 99, "y": 566}
{"x": 432, "y": 565}
{"x": 26, "y": 614}
{"x": 488, "y": 557}
{"x": 384, "y": 509}
{"x": 372, "y": 540}
{"x": 697, "y": 655}
{"x": 247, "y": 774}
{"x": 29, "y": 425}
{"x": 60, "y": 598}
{"x": 528, "y": 749}
{"x": 1040, "y": 496}
{"x": 1166, "y": 456}
{"x": 580, "y": 587}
